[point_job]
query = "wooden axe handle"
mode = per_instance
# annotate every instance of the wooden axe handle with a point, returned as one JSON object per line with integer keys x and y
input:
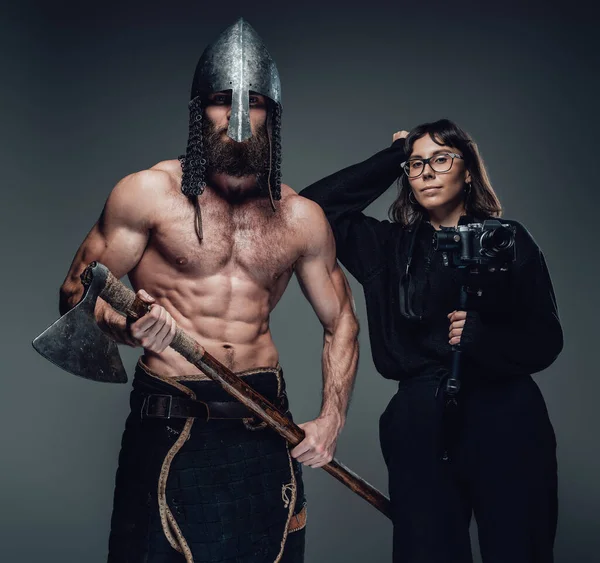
{"x": 124, "y": 300}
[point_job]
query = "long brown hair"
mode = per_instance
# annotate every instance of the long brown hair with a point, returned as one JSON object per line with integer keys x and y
{"x": 481, "y": 201}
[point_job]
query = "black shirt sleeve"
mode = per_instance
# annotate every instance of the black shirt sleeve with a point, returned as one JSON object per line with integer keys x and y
{"x": 344, "y": 195}
{"x": 530, "y": 338}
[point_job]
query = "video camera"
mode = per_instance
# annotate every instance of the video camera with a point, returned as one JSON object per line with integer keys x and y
{"x": 490, "y": 244}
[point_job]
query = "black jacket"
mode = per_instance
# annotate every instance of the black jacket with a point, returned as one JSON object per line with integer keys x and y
{"x": 511, "y": 329}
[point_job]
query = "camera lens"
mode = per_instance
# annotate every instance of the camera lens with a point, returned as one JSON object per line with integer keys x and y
{"x": 497, "y": 240}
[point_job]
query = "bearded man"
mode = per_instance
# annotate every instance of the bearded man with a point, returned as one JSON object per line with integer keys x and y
{"x": 210, "y": 242}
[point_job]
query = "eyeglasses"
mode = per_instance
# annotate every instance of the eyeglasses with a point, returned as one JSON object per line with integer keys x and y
{"x": 439, "y": 163}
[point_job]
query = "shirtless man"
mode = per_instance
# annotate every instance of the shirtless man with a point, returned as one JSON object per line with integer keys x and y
{"x": 229, "y": 488}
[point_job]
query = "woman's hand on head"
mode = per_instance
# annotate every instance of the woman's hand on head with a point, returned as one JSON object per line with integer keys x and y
{"x": 399, "y": 135}
{"x": 457, "y": 323}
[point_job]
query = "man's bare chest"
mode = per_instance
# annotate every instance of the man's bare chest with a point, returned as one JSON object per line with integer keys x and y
{"x": 244, "y": 245}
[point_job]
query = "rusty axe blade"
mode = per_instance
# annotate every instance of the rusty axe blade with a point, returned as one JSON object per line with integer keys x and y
{"x": 76, "y": 343}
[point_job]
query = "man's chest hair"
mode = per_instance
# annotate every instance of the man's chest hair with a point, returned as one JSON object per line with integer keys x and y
{"x": 255, "y": 241}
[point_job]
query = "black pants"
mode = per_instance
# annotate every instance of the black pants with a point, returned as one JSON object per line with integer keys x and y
{"x": 503, "y": 469}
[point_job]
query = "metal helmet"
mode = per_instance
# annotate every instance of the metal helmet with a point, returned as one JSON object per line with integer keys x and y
{"x": 238, "y": 61}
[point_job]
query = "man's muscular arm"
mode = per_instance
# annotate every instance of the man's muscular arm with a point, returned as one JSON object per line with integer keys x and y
{"x": 325, "y": 286}
{"x": 118, "y": 241}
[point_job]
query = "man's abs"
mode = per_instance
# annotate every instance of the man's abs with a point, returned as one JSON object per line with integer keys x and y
{"x": 226, "y": 311}
{"x": 220, "y": 290}
{"x": 234, "y": 356}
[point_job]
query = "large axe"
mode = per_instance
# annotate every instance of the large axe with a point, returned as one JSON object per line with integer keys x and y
{"x": 76, "y": 344}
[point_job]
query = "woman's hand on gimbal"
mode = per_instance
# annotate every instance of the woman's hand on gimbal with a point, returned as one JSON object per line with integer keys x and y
{"x": 457, "y": 323}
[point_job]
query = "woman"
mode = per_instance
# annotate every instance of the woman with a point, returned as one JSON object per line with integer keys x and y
{"x": 495, "y": 455}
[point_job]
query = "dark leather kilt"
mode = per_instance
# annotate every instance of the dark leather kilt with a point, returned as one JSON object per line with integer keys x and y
{"x": 222, "y": 491}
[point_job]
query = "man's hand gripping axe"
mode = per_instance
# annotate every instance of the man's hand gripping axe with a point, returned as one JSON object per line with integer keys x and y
{"x": 76, "y": 344}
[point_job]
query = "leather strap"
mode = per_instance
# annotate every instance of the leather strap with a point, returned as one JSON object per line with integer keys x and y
{"x": 172, "y": 406}
{"x": 297, "y": 521}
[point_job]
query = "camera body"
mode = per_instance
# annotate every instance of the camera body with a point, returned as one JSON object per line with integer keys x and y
{"x": 490, "y": 244}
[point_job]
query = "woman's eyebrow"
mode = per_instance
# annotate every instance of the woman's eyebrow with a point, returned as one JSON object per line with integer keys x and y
{"x": 433, "y": 153}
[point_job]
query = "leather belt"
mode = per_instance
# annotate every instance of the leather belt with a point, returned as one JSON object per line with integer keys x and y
{"x": 172, "y": 406}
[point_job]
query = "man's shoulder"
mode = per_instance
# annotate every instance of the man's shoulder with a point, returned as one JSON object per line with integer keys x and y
{"x": 141, "y": 197}
{"x": 307, "y": 221}
{"x": 171, "y": 167}
{"x": 299, "y": 208}
{"x": 159, "y": 181}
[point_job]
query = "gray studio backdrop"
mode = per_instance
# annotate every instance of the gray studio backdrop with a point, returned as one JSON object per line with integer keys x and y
{"x": 90, "y": 95}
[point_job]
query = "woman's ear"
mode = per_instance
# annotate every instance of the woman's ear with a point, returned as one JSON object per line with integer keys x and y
{"x": 468, "y": 178}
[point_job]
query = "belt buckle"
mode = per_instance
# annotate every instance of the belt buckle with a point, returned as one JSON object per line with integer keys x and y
{"x": 207, "y": 409}
{"x": 146, "y": 405}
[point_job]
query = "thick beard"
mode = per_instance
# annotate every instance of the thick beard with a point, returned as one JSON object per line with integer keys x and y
{"x": 248, "y": 158}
